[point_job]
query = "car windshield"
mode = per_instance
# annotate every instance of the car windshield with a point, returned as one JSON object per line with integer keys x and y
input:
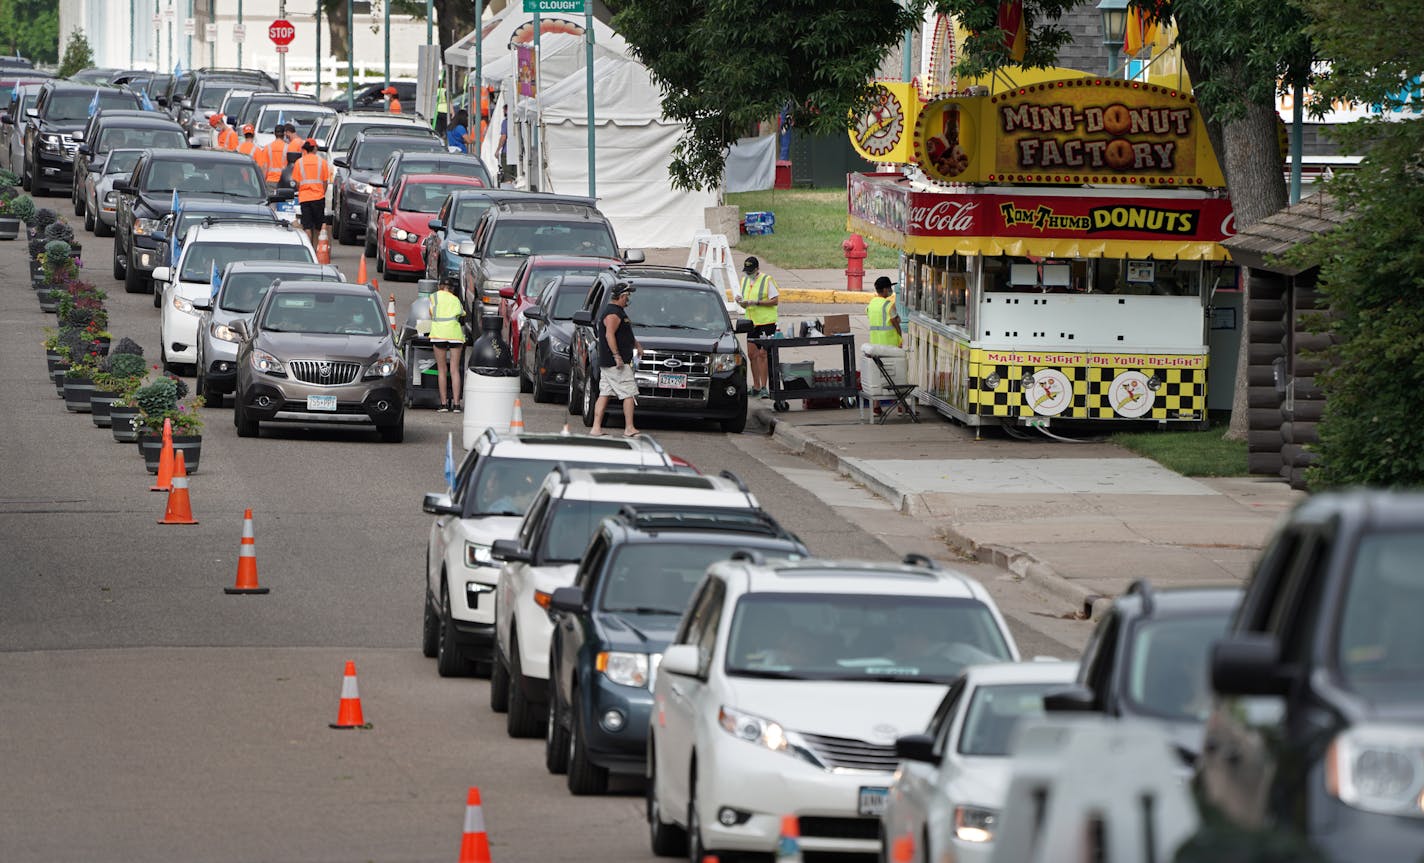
{"x": 658, "y": 577}
{"x": 235, "y": 178}
{"x": 427, "y": 165}
{"x": 236, "y": 104}
{"x": 295, "y": 114}
{"x": 332, "y": 314}
{"x": 346, "y": 135}
{"x": 372, "y": 155}
{"x": 520, "y": 238}
{"x": 426, "y": 197}
{"x": 506, "y": 486}
{"x": 199, "y": 258}
{"x": 121, "y": 161}
{"x": 1167, "y": 672}
{"x": 467, "y": 214}
{"x": 115, "y": 139}
{"x": 915, "y": 639}
{"x": 71, "y": 106}
{"x": 994, "y": 713}
{"x": 545, "y": 274}
{"x": 212, "y": 95}
{"x": 572, "y": 526}
{"x": 567, "y": 301}
{"x": 241, "y": 292}
{"x": 1381, "y": 641}
{"x": 656, "y": 306}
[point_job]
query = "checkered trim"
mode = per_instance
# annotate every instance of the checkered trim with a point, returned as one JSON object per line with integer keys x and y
{"x": 1180, "y": 396}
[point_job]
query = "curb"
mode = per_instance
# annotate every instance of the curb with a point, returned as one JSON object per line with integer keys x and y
{"x": 1027, "y": 567}
{"x": 818, "y": 295}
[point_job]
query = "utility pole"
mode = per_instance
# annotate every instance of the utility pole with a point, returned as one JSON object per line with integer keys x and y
{"x": 189, "y": 23}
{"x": 239, "y": 44}
{"x": 588, "y": 85}
{"x": 388, "y": 42}
{"x": 318, "y": 50}
{"x": 430, "y": 20}
{"x": 282, "y": 58}
{"x": 350, "y": 64}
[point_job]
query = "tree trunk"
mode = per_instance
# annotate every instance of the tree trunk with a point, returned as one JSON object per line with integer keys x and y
{"x": 454, "y": 19}
{"x": 335, "y": 12}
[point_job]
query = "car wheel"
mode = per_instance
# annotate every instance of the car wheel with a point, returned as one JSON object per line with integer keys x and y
{"x": 157, "y": 295}
{"x": 541, "y": 390}
{"x": 575, "y": 397}
{"x": 394, "y": 433}
{"x": 522, "y": 719}
{"x": 212, "y": 396}
{"x": 118, "y": 266}
{"x": 667, "y": 840}
{"x": 447, "y": 655}
{"x": 430, "y": 631}
{"x": 589, "y": 400}
{"x": 370, "y": 250}
{"x": 134, "y": 282}
{"x": 695, "y": 849}
{"x": 344, "y": 235}
{"x": 585, "y": 777}
{"x": 76, "y": 201}
{"x": 101, "y": 229}
{"x": 25, "y": 178}
{"x": 246, "y": 426}
{"x": 525, "y": 384}
{"x": 556, "y": 739}
{"x": 89, "y": 220}
{"x": 499, "y": 685}
{"x": 738, "y": 423}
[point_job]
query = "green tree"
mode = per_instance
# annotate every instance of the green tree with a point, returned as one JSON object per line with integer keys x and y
{"x": 30, "y": 28}
{"x": 77, "y": 54}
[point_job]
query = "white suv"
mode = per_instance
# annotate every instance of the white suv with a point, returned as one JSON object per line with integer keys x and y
{"x": 208, "y": 245}
{"x": 561, "y": 521}
{"x": 493, "y": 488}
{"x": 785, "y": 689}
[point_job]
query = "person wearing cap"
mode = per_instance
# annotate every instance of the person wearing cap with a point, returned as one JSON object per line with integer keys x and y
{"x": 248, "y": 147}
{"x": 227, "y": 136}
{"x": 216, "y": 122}
{"x": 294, "y": 143}
{"x": 616, "y": 349}
{"x": 276, "y": 153}
{"x": 311, "y": 173}
{"x": 883, "y": 315}
{"x": 759, "y": 299}
{"x": 394, "y": 106}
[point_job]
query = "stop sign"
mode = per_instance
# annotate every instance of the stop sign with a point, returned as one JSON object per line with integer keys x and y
{"x": 281, "y": 32}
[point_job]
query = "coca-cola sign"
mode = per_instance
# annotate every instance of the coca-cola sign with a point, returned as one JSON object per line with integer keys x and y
{"x": 943, "y": 218}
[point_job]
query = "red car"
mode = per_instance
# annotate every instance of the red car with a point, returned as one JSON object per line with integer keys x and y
{"x": 530, "y": 279}
{"x": 404, "y": 221}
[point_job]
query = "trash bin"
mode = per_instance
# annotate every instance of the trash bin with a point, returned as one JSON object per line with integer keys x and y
{"x": 491, "y": 383}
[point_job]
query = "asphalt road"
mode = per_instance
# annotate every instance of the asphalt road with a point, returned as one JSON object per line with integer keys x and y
{"x": 145, "y": 715}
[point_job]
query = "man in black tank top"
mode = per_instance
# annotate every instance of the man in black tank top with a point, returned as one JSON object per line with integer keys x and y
{"x": 616, "y": 354}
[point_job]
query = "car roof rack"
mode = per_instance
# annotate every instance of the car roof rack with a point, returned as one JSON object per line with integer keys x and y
{"x": 654, "y": 517}
{"x": 916, "y": 559}
{"x": 1143, "y": 588}
{"x": 749, "y": 555}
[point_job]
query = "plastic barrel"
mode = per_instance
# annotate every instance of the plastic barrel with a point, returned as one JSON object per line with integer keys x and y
{"x": 489, "y": 403}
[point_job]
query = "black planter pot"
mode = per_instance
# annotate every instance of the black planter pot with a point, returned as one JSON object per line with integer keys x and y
{"x": 100, "y": 403}
{"x": 151, "y": 445}
{"x": 47, "y": 303}
{"x": 59, "y": 380}
{"x": 121, "y": 423}
{"x": 76, "y": 394}
{"x": 52, "y": 360}
{"x": 9, "y": 227}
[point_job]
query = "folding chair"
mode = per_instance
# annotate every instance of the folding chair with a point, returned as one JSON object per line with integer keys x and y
{"x": 900, "y": 391}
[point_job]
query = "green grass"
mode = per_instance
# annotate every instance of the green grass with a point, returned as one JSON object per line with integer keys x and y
{"x": 810, "y": 227}
{"x": 1190, "y": 453}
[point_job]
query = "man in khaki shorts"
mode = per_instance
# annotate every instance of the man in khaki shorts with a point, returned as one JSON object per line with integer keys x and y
{"x": 616, "y": 348}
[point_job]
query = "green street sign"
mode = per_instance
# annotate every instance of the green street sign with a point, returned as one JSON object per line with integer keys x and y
{"x": 545, "y": 7}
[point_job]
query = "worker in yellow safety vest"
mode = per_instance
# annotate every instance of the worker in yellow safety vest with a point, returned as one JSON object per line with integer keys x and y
{"x": 447, "y": 339}
{"x": 883, "y": 315}
{"x": 311, "y": 173}
{"x": 759, "y": 299}
{"x": 249, "y": 147}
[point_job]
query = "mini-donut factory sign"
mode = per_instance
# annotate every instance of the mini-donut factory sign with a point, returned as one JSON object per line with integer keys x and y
{"x": 1068, "y": 132}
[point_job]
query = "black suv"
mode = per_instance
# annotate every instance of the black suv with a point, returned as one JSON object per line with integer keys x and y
{"x": 612, "y": 625}
{"x": 182, "y": 96}
{"x": 1318, "y": 727}
{"x": 692, "y": 364}
{"x": 120, "y": 130}
{"x": 371, "y": 97}
{"x": 361, "y": 166}
{"x": 149, "y": 194}
{"x": 61, "y": 109}
{"x": 1147, "y": 659}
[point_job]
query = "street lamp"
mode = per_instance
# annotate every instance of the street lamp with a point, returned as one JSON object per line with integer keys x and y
{"x": 1114, "y": 14}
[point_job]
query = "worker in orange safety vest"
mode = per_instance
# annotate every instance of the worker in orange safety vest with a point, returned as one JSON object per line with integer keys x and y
{"x": 277, "y": 153}
{"x": 311, "y": 173}
{"x": 228, "y": 139}
{"x": 395, "y": 105}
{"x": 248, "y": 147}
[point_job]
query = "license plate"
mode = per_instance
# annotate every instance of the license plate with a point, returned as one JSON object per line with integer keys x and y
{"x": 670, "y": 381}
{"x": 321, "y": 403}
{"x": 872, "y": 801}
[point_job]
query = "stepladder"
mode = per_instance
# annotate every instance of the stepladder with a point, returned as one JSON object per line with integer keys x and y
{"x": 711, "y": 257}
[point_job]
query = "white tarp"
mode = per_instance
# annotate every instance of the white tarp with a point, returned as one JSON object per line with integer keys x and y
{"x": 751, "y": 164}
{"x": 634, "y": 145}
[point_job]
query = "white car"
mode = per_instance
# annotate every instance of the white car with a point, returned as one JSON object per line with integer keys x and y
{"x": 208, "y": 244}
{"x": 300, "y": 114}
{"x": 544, "y": 556}
{"x": 101, "y": 202}
{"x": 946, "y": 797}
{"x": 493, "y": 488}
{"x": 785, "y": 689}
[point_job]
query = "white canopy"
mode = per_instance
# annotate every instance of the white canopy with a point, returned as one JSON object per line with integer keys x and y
{"x": 512, "y": 27}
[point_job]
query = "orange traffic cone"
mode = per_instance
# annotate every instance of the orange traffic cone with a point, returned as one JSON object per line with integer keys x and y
{"x": 165, "y": 460}
{"x": 179, "y": 511}
{"x": 788, "y": 845}
{"x": 349, "y": 713}
{"x": 376, "y": 285}
{"x": 323, "y": 246}
{"x": 361, "y": 271}
{"x": 516, "y": 422}
{"x": 391, "y": 311}
{"x": 474, "y": 846}
{"x": 902, "y": 850}
{"x": 246, "y": 560}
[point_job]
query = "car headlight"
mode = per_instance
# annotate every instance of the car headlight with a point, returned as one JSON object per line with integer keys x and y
{"x": 726, "y": 362}
{"x": 401, "y": 234}
{"x": 452, "y": 248}
{"x": 764, "y": 733}
{"x": 477, "y": 555}
{"x": 183, "y": 304}
{"x": 383, "y": 368}
{"x": 146, "y": 226}
{"x": 223, "y": 332}
{"x": 1378, "y": 768}
{"x": 624, "y": 669}
{"x": 562, "y": 349}
{"x": 268, "y": 364}
{"x": 361, "y": 188}
{"x": 111, "y": 197}
{"x": 50, "y": 143}
{"x": 975, "y": 823}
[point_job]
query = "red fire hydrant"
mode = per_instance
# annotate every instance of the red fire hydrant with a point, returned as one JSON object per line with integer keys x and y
{"x": 854, "y": 248}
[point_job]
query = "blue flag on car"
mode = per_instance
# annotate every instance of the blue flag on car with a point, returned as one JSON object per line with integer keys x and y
{"x": 94, "y": 103}
{"x": 450, "y": 461}
{"x": 145, "y": 102}
{"x": 173, "y": 205}
{"x": 217, "y": 280}
{"x": 177, "y": 68}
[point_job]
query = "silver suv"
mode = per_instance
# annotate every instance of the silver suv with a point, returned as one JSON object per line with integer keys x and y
{"x": 290, "y": 369}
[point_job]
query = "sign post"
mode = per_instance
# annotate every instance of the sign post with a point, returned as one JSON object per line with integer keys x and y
{"x": 281, "y": 32}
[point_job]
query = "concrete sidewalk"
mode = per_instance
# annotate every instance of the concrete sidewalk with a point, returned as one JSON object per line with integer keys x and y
{"x": 796, "y": 286}
{"x": 1081, "y": 521}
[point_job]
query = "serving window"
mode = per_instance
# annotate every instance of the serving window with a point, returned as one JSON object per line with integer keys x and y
{"x": 937, "y": 286}
{"x": 1113, "y": 276}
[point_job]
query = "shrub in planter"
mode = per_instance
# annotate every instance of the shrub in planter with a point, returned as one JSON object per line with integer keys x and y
{"x": 43, "y": 218}
{"x": 60, "y": 231}
{"x": 8, "y": 180}
{"x": 24, "y": 207}
{"x": 125, "y": 346}
{"x": 124, "y": 363}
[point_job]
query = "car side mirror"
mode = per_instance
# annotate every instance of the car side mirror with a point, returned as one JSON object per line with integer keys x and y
{"x": 510, "y": 551}
{"x": 240, "y": 328}
{"x": 583, "y": 318}
{"x": 85, "y": 150}
{"x": 383, "y": 207}
{"x": 634, "y": 256}
{"x": 916, "y": 747}
{"x": 743, "y": 325}
{"x": 681, "y": 659}
{"x": 439, "y": 504}
{"x": 1074, "y": 699}
{"x": 78, "y": 136}
{"x": 435, "y": 225}
{"x": 569, "y": 599}
{"x": 123, "y": 186}
{"x": 203, "y": 304}
{"x": 466, "y": 249}
{"x": 341, "y": 162}
{"x": 195, "y": 142}
{"x": 506, "y": 293}
{"x": 280, "y": 195}
{"x": 32, "y": 113}
{"x": 7, "y": 119}
{"x": 534, "y": 313}
{"x": 1249, "y": 665}
{"x": 161, "y": 274}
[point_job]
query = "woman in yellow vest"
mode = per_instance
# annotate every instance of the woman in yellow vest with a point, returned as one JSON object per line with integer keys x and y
{"x": 884, "y": 317}
{"x": 759, "y": 299}
{"x": 448, "y": 340}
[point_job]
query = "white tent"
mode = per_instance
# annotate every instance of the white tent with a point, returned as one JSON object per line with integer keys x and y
{"x": 560, "y": 55}
{"x": 634, "y": 145}
{"x": 512, "y": 27}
